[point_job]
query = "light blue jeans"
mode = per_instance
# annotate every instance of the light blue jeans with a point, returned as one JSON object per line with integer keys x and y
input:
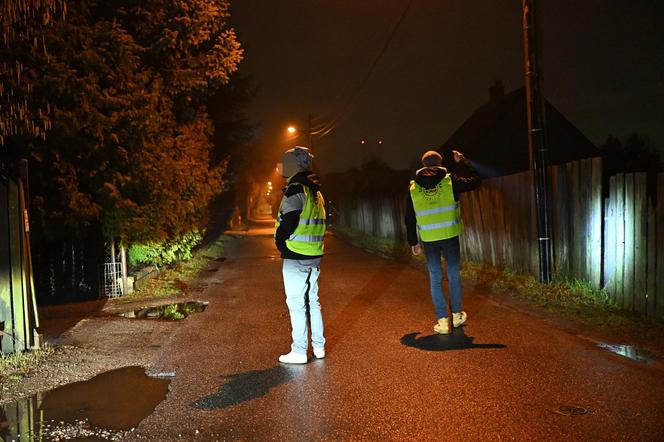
{"x": 301, "y": 284}
{"x": 450, "y": 249}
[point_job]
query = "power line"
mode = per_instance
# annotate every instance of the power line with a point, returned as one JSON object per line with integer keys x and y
{"x": 329, "y": 127}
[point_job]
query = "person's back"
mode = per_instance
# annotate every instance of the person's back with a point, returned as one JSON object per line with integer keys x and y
{"x": 299, "y": 235}
{"x": 433, "y": 216}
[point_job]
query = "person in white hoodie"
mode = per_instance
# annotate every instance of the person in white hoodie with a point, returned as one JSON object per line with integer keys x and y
{"x": 299, "y": 238}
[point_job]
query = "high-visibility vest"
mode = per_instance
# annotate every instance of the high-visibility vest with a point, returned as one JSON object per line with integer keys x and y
{"x": 307, "y": 239}
{"x": 438, "y": 215}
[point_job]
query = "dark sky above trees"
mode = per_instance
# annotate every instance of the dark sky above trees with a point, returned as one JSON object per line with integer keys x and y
{"x": 603, "y": 63}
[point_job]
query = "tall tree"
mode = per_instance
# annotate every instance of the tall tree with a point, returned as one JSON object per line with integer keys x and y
{"x": 131, "y": 139}
{"x": 23, "y": 21}
{"x": 632, "y": 155}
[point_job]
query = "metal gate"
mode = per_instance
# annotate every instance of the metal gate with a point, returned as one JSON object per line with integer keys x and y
{"x": 111, "y": 274}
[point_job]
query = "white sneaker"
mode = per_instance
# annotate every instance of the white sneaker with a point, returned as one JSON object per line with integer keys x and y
{"x": 459, "y": 318}
{"x": 319, "y": 352}
{"x": 293, "y": 358}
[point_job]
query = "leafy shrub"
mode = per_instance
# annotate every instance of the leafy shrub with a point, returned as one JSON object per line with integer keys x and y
{"x": 165, "y": 253}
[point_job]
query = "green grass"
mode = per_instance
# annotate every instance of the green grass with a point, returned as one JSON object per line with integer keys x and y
{"x": 572, "y": 299}
{"x": 16, "y": 366}
{"x": 173, "y": 281}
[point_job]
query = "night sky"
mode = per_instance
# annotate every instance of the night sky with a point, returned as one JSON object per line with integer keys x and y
{"x": 602, "y": 61}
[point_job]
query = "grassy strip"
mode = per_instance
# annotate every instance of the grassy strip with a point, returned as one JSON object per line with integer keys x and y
{"x": 173, "y": 281}
{"x": 16, "y": 366}
{"x": 573, "y": 299}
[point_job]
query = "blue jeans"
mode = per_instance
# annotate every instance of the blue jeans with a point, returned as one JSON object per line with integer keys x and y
{"x": 451, "y": 251}
{"x": 300, "y": 282}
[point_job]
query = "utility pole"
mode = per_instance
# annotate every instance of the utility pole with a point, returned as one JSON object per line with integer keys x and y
{"x": 537, "y": 148}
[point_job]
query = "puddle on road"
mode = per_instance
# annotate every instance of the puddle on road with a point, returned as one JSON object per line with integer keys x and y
{"x": 172, "y": 312}
{"x": 107, "y": 407}
{"x": 630, "y": 352}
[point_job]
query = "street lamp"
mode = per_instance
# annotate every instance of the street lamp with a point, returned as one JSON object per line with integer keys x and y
{"x": 291, "y": 130}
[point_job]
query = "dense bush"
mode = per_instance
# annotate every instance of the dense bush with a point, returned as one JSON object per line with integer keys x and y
{"x": 165, "y": 252}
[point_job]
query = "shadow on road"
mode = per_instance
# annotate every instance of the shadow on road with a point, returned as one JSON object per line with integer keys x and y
{"x": 363, "y": 300}
{"x": 249, "y": 385}
{"x": 457, "y": 340}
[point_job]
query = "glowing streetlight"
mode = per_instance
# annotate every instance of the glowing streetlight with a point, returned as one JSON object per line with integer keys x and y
{"x": 291, "y": 129}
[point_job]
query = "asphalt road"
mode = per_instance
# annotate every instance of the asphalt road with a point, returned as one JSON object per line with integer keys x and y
{"x": 507, "y": 375}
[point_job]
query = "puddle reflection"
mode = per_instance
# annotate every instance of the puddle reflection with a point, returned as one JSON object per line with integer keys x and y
{"x": 104, "y": 408}
{"x": 630, "y": 352}
{"x": 171, "y": 312}
{"x": 457, "y": 340}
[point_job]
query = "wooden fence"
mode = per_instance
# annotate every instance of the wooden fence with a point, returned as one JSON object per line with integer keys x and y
{"x": 499, "y": 226}
{"x": 616, "y": 243}
{"x": 634, "y": 244}
{"x": 18, "y": 308}
{"x": 378, "y": 216}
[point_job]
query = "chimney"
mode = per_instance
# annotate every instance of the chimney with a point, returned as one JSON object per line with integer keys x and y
{"x": 496, "y": 92}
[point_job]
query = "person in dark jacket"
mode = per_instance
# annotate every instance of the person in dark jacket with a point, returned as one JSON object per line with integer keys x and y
{"x": 433, "y": 217}
{"x": 300, "y": 229}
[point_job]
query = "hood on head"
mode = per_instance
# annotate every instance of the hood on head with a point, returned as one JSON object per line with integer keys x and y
{"x": 429, "y": 177}
{"x": 298, "y": 159}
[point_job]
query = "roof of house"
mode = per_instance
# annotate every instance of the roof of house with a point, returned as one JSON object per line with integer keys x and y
{"x": 495, "y": 137}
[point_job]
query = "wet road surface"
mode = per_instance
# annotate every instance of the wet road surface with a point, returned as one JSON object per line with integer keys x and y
{"x": 506, "y": 375}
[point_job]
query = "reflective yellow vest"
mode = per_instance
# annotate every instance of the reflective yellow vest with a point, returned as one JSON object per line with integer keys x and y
{"x": 307, "y": 239}
{"x": 438, "y": 215}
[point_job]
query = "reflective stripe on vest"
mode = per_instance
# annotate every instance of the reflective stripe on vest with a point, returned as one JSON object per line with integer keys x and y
{"x": 307, "y": 239}
{"x": 449, "y": 208}
{"x": 438, "y": 215}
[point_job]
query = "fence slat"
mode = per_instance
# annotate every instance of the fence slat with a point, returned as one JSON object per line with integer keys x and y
{"x": 6, "y": 316}
{"x": 628, "y": 269}
{"x": 583, "y": 217}
{"x": 488, "y": 224}
{"x": 595, "y": 223}
{"x": 640, "y": 263}
{"x": 652, "y": 256}
{"x": 20, "y": 327}
{"x": 559, "y": 224}
{"x": 620, "y": 239}
{"x": 610, "y": 241}
{"x": 501, "y": 225}
{"x": 659, "y": 263}
{"x": 576, "y": 238}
